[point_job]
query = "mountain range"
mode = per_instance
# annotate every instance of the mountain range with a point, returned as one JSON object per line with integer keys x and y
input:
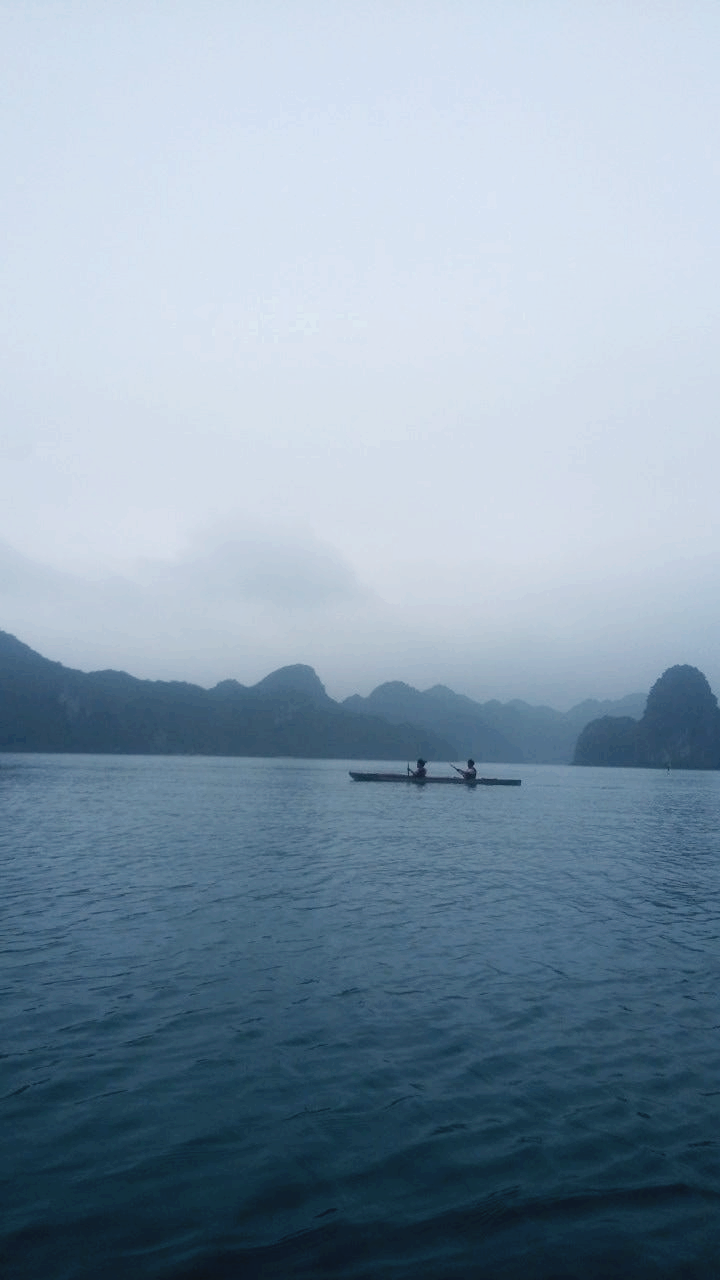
{"x": 45, "y": 706}
{"x": 515, "y": 732}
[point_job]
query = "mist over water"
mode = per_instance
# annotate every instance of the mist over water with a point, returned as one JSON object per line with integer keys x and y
{"x": 259, "y": 1020}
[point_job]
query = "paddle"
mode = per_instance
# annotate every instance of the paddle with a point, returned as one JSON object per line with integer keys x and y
{"x": 454, "y": 766}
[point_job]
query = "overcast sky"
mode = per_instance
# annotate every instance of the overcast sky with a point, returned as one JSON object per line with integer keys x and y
{"x": 382, "y": 337}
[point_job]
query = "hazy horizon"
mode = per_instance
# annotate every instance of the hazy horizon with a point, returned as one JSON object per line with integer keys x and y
{"x": 339, "y": 696}
{"x": 379, "y": 338}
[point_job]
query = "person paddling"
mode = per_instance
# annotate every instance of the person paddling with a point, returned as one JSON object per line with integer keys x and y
{"x": 420, "y": 771}
{"x": 469, "y": 774}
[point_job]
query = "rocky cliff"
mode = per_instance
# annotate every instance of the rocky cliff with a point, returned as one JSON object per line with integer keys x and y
{"x": 679, "y": 729}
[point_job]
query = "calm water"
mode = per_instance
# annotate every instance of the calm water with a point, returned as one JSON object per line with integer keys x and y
{"x": 260, "y": 1020}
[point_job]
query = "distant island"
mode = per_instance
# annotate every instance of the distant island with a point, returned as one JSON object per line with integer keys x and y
{"x": 679, "y": 729}
{"x": 45, "y": 706}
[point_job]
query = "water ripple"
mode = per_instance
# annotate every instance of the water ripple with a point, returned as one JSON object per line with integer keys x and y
{"x": 331, "y": 1030}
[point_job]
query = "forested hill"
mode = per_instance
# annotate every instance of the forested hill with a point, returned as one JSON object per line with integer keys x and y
{"x": 679, "y": 729}
{"x": 45, "y": 706}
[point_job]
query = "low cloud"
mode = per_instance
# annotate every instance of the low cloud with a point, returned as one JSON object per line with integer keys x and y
{"x": 238, "y": 602}
{"x": 241, "y": 602}
{"x": 286, "y": 571}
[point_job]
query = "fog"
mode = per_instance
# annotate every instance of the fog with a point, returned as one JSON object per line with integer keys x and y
{"x": 381, "y": 338}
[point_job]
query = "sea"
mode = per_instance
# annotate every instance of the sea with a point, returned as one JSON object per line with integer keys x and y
{"x": 259, "y": 1020}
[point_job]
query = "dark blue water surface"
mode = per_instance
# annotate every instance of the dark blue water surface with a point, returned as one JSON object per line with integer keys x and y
{"x": 260, "y": 1020}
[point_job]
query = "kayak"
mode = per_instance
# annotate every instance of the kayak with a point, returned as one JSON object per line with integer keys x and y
{"x": 456, "y": 782}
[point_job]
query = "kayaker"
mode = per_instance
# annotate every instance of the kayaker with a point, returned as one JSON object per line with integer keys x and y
{"x": 470, "y": 774}
{"x": 420, "y": 771}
